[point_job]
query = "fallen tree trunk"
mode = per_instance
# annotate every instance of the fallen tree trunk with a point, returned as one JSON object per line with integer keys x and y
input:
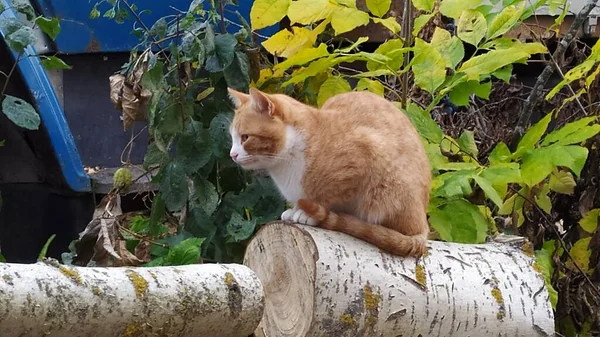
{"x": 48, "y": 299}
{"x": 323, "y": 283}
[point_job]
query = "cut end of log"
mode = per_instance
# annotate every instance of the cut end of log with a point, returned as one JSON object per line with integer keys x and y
{"x": 289, "y": 278}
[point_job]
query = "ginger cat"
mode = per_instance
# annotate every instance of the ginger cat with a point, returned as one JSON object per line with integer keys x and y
{"x": 356, "y": 165}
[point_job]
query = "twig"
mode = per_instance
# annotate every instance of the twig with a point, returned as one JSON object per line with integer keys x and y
{"x": 138, "y": 19}
{"x": 536, "y": 94}
{"x": 141, "y": 237}
{"x": 407, "y": 22}
{"x": 12, "y": 70}
{"x": 562, "y": 243}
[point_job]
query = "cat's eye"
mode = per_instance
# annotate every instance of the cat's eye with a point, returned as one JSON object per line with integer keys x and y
{"x": 244, "y": 138}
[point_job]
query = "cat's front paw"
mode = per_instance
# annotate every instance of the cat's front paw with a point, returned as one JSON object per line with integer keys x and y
{"x": 298, "y": 216}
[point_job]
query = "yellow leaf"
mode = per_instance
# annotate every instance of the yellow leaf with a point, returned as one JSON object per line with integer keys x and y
{"x": 392, "y": 49}
{"x": 420, "y": 22}
{"x": 505, "y": 20}
{"x": 313, "y": 69}
{"x": 285, "y": 43}
{"x": 454, "y": 8}
{"x": 204, "y": 94}
{"x": 471, "y": 27}
{"x": 562, "y": 182}
{"x": 581, "y": 254}
{"x": 371, "y": 85}
{"x": 303, "y": 57}
{"x": 589, "y": 222}
{"x": 379, "y": 7}
{"x": 424, "y": 5}
{"x": 333, "y": 86}
{"x": 543, "y": 200}
{"x": 265, "y": 13}
{"x": 429, "y": 67}
{"x": 390, "y": 23}
{"x": 264, "y": 75}
{"x": 346, "y": 19}
{"x": 310, "y": 11}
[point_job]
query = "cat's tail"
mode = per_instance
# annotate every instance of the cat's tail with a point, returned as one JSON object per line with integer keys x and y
{"x": 382, "y": 237}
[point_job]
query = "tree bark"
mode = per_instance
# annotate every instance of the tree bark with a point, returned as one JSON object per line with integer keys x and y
{"x": 323, "y": 283}
{"x": 48, "y": 299}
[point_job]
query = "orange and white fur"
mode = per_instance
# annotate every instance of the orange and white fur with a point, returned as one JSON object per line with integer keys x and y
{"x": 356, "y": 165}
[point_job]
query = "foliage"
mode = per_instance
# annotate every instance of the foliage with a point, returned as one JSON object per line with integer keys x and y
{"x": 19, "y": 35}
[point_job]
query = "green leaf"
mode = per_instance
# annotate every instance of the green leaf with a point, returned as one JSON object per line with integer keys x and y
{"x": 485, "y": 64}
{"x": 239, "y": 228}
{"x": 466, "y": 141}
{"x": 199, "y": 224}
{"x": 573, "y": 133}
{"x": 20, "y": 112}
{"x": 157, "y": 214}
{"x": 186, "y": 252}
{"x": 454, "y": 8}
{"x": 459, "y": 221}
{"x": 44, "y": 250}
{"x": 562, "y": 182}
{"x": 504, "y": 73}
{"x": 110, "y": 14}
{"x": 345, "y": 19}
{"x": 539, "y": 163}
{"x": 423, "y": 122}
{"x": 424, "y": 5}
{"x": 390, "y": 23}
{"x": 488, "y": 189}
{"x": 159, "y": 28}
{"x": 420, "y": 22}
{"x": 219, "y": 132}
{"x": 428, "y": 66}
{"x": 456, "y": 184}
{"x": 461, "y": 94}
{"x": 49, "y": 26}
{"x": 53, "y": 62}
{"x": 154, "y": 156}
{"x": 265, "y": 13}
{"x": 20, "y": 39}
{"x": 505, "y": 21}
{"x": 500, "y": 154}
{"x": 95, "y": 13}
{"x": 543, "y": 258}
{"x": 581, "y": 253}
{"x": 379, "y": 7}
{"x": 204, "y": 196}
{"x": 237, "y": 74}
{"x": 471, "y": 27}
{"x": 389, "y": 49}
{"x": 502, "y": 174}
{"x": 450, "y": 47}
{"x": 331, "y": 87}
{"x": 223, "y": 53}
{"x": 2, "y": 258}
{"x": 194, "y": 148}
{"x": 589, "y": 222}
{"x": 23, "y": 7}
{"x": 174, "y": 187}
{"x": 371, "y": 85}
{"x": 533, "y": 136}
{"x": 153, "y": 79}
{"x": 543, "y": 200}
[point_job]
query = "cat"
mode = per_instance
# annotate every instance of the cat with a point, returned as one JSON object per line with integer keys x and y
{"x": 356, "y": 165}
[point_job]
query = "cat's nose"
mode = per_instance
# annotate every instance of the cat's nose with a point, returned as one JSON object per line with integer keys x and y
{"x": 234, "y": 155}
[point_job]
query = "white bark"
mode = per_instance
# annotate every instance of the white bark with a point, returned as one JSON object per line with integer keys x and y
{"x": 48, "y": 299}
{"x": 323, "y": 283}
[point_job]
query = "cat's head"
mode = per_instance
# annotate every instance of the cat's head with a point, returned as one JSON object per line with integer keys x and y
{"x": 258, "y": 132}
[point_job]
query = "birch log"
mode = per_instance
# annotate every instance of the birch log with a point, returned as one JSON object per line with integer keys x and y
{"x": 48, "y": 299}
{"x": 323, "y": 283}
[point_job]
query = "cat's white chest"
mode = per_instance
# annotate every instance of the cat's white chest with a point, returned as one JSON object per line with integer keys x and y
{"x": 288, "y": 175}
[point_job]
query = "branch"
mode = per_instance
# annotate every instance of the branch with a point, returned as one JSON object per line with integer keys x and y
{"x": 536, "y": 93}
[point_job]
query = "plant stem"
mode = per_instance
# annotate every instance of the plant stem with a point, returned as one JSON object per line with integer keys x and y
{"x": 222, "y": 10}
{"x": 138, "y": 19}
{"x": 536, "y": 93}
{"x": 12, "y": 70}
{"x": 407, "y": 23}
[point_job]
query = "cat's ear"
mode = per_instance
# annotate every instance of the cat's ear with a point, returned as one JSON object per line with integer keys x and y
{"x": 261, "y": 103}
{"x": 238, "y": 98}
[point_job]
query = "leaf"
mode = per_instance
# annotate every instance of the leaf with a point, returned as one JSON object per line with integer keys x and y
{"x": 424, "y": 5}
{"x": 390, "y": 23}
{"x": 454, "y": 8}
{"x": 371, "y": 85}
{"x": 459, "y": 221}
{"x": 331, "y": 87}
{"x": 500, "y": 175}
{"x": 186, "y": 252}
{"x": 158, "y": 29}
{"x": 388, "y": 49}
{"x": 576, "y": 73}
{"x": 461, "y": 94}
{"x": 154, "y": 156}
{"x": 310, "y": 11}
{"x": 219, "y": 132}
{"x": 456, "y": 184}
{"x": 505, "y": 21}
{"x": 466, "y": 141}
{"x": 428, "y": 66}
{"x": 581, "y": 253}
{"x": 532, "y": 136}
{"x": 20, "y": 39}
{"x": 94, "y": 13}
{"x": 21, "y": 113}
{"x": 44, "y": 250}
{"x": 493, "y": 60}
{"x": 489, "y": 191}
{"x": 378, "y": 7}
{"x": 539, "y": 163}
{"x": 23, "y": 7}
{"x": 589, "y": 222}
{"x": 223, "y": 53}
{"x": 174, "y": 187}
{"x": 543, "y": 258}
{"x": 504, "y": 73}
{"x": 420, "y": 22}
{"x": 500, "y": 154}
{"x": 450, "y": 47}
{"x": 286, "y": 44}
{"x": 562, "y": 182}
{"x": 157, "y": 214}
{"x": 53, "y": 62}
{"x": 423, "y": 122}
{"x": 194, "y": 148}
{"x": 266, "y": 13}
{"x": 237, "y": 74}
{"x": 303, "y": 57}
{"x": 49, "y": 26}
{"x": 471, "y": 27}
{"x": 204, "y": 195}
{"x": 346, "y": 19}
{"x": 574, "y": 132}
{"x": 543, "y": 200}
{"x": 239, "y": 228}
